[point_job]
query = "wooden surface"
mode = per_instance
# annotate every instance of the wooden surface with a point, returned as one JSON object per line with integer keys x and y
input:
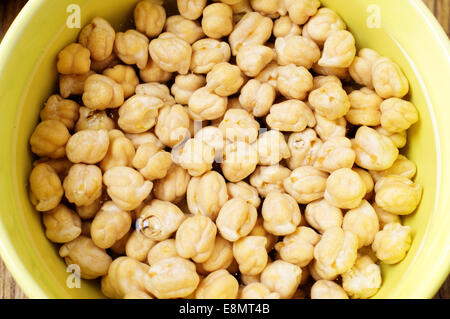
{"x": 10, "y": 8}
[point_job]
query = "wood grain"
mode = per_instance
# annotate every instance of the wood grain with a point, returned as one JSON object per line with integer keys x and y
{"x": 8, "y": 11}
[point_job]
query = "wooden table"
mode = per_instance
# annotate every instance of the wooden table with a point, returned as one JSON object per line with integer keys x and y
{"x": 10, "y": 8}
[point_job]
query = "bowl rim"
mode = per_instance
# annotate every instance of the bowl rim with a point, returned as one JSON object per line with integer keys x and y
{"x": 13, "y": 261}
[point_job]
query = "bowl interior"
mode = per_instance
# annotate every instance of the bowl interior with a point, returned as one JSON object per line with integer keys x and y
{"x": 27, "y": 65}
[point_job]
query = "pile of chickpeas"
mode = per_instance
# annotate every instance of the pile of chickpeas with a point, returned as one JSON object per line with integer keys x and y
{"x": 240, "y": 149}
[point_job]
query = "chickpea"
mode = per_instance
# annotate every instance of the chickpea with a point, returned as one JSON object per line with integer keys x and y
{"x": 247, "y": 279}
{"x": 173, "y": 186}
{"x": 219, "y": 284}
{"x": 195, "y": 156}
{"x": 252, "y": 59}
{"x": 330, "y": 101}
{"x": 269, "y": 75}
{"x": 102, "y": 92}
{"x": 339, "y": 50}
{"x": 399, "y": 139}
{"x": 236, "y": 219}
{"x": 162, "y": 250}
{"x": 92, "y": 260}
{"x": 239, "y": 125}
{"x": 152, "y": 162}
{"x": 306, "y": 184}
{"x": 224, "y": 79}
{"x": 257, "y": 97}
{"x": 144, "y": 138}
{"x": 290, "y": 116}
{"x": 363, "y": 280}
{"x": 373, "y": 150}
{"x": 149, "y": 17}
{"x": 98, "y": 36}
{"x": 131, "y": 47}
{"x": 300, "y": 11}
{"x": 61, "y": 224}
{"x": 109, "y": 225}
{"x": 340, "y": 73}
{"x": 284, "y": 27}
{"x": 206, "y": 105}
{"x": 217, "y": 20}
{"x": 72, "y": 84}
{"x": 206, "y": 53}
{"x": 345, "y": 189}
{"x": 272, "y": 148}
{"x": 158, "y": 90}
{"x": 240, "y": 160}
{"x": 363, "y": 222}
{"x": 138, "y": 245}
{"x": 320, "y": 80}
{"x": 125, "y": 76}
{"x": 221, "y": 257}
{"x": 60, "y": 165}
{"x": 259, "y": 230}
{"x": 213, "y": 137}
{"x": 361, "y": 67}
{"x": 191, "y": 9}
{"x": 397, "y": 115}
{"x": 244, "y": 191}
{"x": 294, "y": 82}
{"x": 326, "y": 289}
{"x": 252, "y": 29}
{"x": 321, "y": 215}
{"x": 126, "y": 187}
{"x": 298, "y": 247}
{"x": 139, "y": 113}
{"x": 282, "y": 277}
{"x": 304, "y": 148}
{"x": 297, "y": 50}
{"x": 269, "y": 178}
{"x": 185, "y": 29}
{"x": 153, "y": 73}
{"x": 89, "y": 211}
{"x": 269, "y": 8}
{"x": 186, "y": 85}
{"x": 281, "y": 214}
{"x": 251, "y": 255}
{"x": 74, "y": 59}
{"x": 392, "y": 243}
{"x": 49, "y": 139}
{"x": 87, "y": 146}
{"x": 83, "y": 184}
{"x": 120, "y": 151}
{"x": 171, "y": 53}
{"x": 335, "y": 153}
{"x": 365, "y": 107}
{"x": 195, "y": 238}
{"x": 388, "y": 79}
{"x": 257, "y": 290}
{"x": 322, "y": 24}
{"x": 385, "y": 217}
{"x": 326, "y": 128}
{"x": 402, "y": 167}
{"x": 368, "y": 181}
{"x": 93, "y": 120}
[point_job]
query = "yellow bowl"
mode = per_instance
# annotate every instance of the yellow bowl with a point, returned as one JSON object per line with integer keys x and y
{"x": 403, "y": 30}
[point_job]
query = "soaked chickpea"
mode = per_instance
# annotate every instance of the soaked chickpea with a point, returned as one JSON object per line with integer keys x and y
{"x": 158, "y": 90}
{"x": 195, "y": 156}
{"x": 298, "y": 247}
{"x": 173, "y": 277}
{"x": 365, "y": 107}
{"x": 271, "y": 8}
{"x": 217, "y": 20}
{"x": 339, "y": 50}
{"x": 93, "y": 120}
{"x": 282, "y": 277}
{"x": 224, "y": 79}
{"x": 335, "y": 153}
{"x": 345, "y": 189}
{"x": 399, "y": 139}
{"x": 402, "y": 167}
{"x": 139, "y": 139}
{"x": 149, "y": 18}
{"x": 388, "y": 79}
{"x": 213, "y": 137}
{"x": 362, "y": 280}
{"x": 363, "y": 222}
{"x": 92, "y": 260}
{"x": 240, "y": 160}
{"x": 321, "y": 215}
{"x": 330, "y": 100}
{"x": 87, "y": 146}
{"x": 219, "y": 284}
{"x": 320, "y": 80}
{"x": 272, "y": 148}
{"x": 239, "y": 125}
{"x": 163, "y": 249}
{"x": 206, "y": 53}
{"x": 392, "y": 243}
{"x": 304, "y": 148}
{"x": 173, "y": 186}
{"x": 61, "y": 224}
{"x": 340, "y": 73}
{"x": 300, "y": 11}
{"x": 191, "y": 9}
{"x": 236, "y": 219}
{"x": 252, "y": 59}
{"x": 322, "y": 24}
{"x": 281, "y": 214}
{"x": 298, "y": 50}
{"x": 153, "y": 73}
{"x": 252, "y": 29}
{"x": 72, "y": 84}
{"x": 290, "y": 116}
{"x": 251, "y": 255}
{"x": 126, "y": 187}
{"x": 294, "y": 82}
{"x": 120, "y": 151}
{"x": 74, "y": 59}
{"x": 98, "y": 36}
{"x": 152, "y": 162}
{"x": 257, "y": 290}
{"x": 244, "y": 191}
{"x": 361, "y": 67}
{"x": 327, "y": 289}
{"x": 125, "y": 76}
{"x": 257, "y": 97}
{"x": 397, "y": 115}
{"x": 326, "y": 128}
{"x": 185, "y": 86}
{"x": 171, "y": 53}
{"x": 138, "y": 245}
{"x": 102, "y": 92}
{"x": 306, "y": 184}
{"x": 195, "y": 238}
{"x": 83, "y": 184}
{"x": 139, "y": 113}
{"x": 89, "y": 211}
{"x": 49, "y": 139}
{"x": 206, "y": 105}
{"x": 183, "y": 28}
{"x": 284, "y": 26}
{"x": 131, "y": 47}
{"x": 267, "y": 179}
{"x": 109, "y": 225}
{"x": 221, "y": 257}
{"x": 385, "y": 217}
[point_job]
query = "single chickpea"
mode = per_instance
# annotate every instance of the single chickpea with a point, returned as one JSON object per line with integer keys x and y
{"x": 330, "y": 101}
{"x": 397, "y": 115}
{"x": 186, "y": 29}
{"x": 361, "y": 67}
{"x": 60, "y": 165}
{"x": 221, "y": 257}
{"x": 109, "y": 225}
{"x": 153, "y": 73}
{"x": 290, "y": 116}
{"x": 195, "y": 156}
{"x": 397, "y": 194}
{"x": 206, "y": 53}
{"x": 363, "y": 280}
{"x": 248, "y": 279}
{"x": 327, "y": 289}
{"x": 320, "y": 80}
{"x": 191, "y": 9}
{"x": 281, "y": 214}
{"x": 294, "y": 82}
{"x": 320, "y": 271}
{"x": 206, "y": 105}
{"x": 240, "y": 160}
{"x": 224, "y": 79}
{"x": 131, "y": 47}
{"x": 269, "y": 75}
{"x": 326, "y": 128}
{"x": 87, "y": 146}
{"x": 345, "y": 189}
{"x": 139, "y": 113}
{"x": 173, "y": 186}
{"x": 195, "y": 238}
{"x": 102, "y": 92}
{"x": 339, "y": 50}
{"x": 89, "y": 211}
{"x": 186, "y": 85}
{"x": 144, "y": 138}
{"x": 392, "y": 243}
{"x": 163, "y": 249}
{"x": 72, "y": 84}
{"x": 98, "y": 36}
{"x": 399, "y": 139}
{"x": 272, "y": 148}
{"x": 306, "y": 184}
{"x": 92, "y": 260}
{"x": 171, "y": 53}
{"x": 282, "y": 277}
{"x": 236, "y": 219}
{"x": 257, "y": 290}
{"x": 152, "y": 162}
{"x": 213, "y": 137}
{"x": 304, "y": 148}
{"x": 252, "y": 29}
{"x": 322, "y": 24}
{"x": 373, "y": 150}
{"x": 252, "y": 59}
{"x": 297, "y": 50}
{"x": 271, "y": 8}
{"x": 126, "y": 187}
{"x": 402, "y": 167}
{"x": 93, "y": 120}
{"x": 219, "y": 284}
{"x": 301, "y": 11}
{"x": 321, "y": 215}
{"x": 124, "y": 277}
{"x": 100, "y": 66}
{"x": 74, "y": 59}
{"x": 217, "y": 20}
{"x": 149, "y": 17}
{"x": 83, "y": 184}
{"x": 49, "y": 139}
{"x": 158, "y": 90}
{"x": 368, "y": 181}
{"x": 363, "y": 222}
{"x": 259, "y": 230}
{"x": 388, "y": 79}
{"x": 138, "y": 245}
{"x": 365, "y": 107}
{"x": 251, "y": 255}
{"x": 120, "y": 151}
{"x": 335, "y": 153}
{"x": 239, "y": 125}
{"x": 257, "y": 97}
{"x": 267, "y": 179}
{"x": 284, "y": 27}
{"x": 61, "y": 224}
{"x": 125, "y": 76}
{"x": 244, "y": 191}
